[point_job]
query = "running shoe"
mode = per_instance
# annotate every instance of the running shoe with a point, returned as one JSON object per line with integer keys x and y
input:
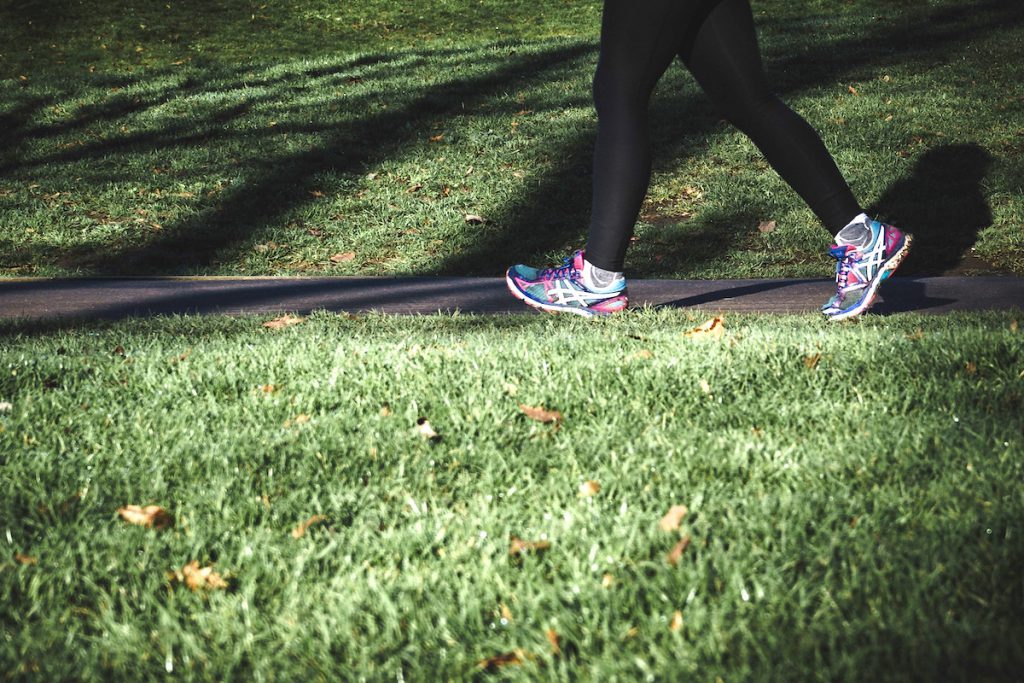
{"x": 866, "y": 254}
{"x": 561, "y": 289}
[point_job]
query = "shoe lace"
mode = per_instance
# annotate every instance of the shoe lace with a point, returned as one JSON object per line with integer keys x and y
{"x": 845, "y": 260}
{"x": 566, "y": 270}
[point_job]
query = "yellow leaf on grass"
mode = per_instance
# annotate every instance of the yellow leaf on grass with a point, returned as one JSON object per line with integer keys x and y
{"x": 589, "y": 488}
{"x": 677, "y": 551}
{"x": 673, "y": 518}
{"x": 196, "y": 577}
{"x": 766, "y": 226}
{"x": 300, "y": 530}
{"x": 677, "y": 621}
{"x": 343, "y": 257}
{"x": 284, "y": 321}
{"x": 27, "y": 560}
{"x": 812, "y": 361}
{"x": 151, "y": 516}
{"x": 514, "y": 658}
{"x": 552, "y": 635}
{"x": 713, "y": 328}
{"x": 540, "y": 414}
{"x": 518, "y": 547}
{"x": 607, "y": 581}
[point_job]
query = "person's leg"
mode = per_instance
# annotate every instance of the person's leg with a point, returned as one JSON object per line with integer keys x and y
{"x": 725, "y": 60}
{"x": 638, "y": 42}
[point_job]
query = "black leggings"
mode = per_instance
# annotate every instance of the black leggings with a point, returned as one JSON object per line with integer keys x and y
{"x": 716, "y": 41}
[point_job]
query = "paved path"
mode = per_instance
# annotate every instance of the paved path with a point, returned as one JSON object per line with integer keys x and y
{"x": 122, "y": 297}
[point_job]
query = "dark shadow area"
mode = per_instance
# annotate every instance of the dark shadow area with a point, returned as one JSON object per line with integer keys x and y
{"x": 942, "y": 205}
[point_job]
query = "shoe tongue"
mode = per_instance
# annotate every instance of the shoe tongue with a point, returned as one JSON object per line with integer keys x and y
{"x": 855, "y": 234}
{"x": 577, "y": 260}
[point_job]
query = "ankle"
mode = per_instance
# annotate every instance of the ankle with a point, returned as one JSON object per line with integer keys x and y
{"x": 596, "y": 278}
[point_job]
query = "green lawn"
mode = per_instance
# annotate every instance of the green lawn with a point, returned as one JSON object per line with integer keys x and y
{"x": 854, "y": 491}
{"x": 267, "y": 138}
{"x": 855, "y": 498}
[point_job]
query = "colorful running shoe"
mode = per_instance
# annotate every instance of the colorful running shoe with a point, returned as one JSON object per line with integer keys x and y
{"x": 866, "y": 254}
{"x": 561, "y": 289}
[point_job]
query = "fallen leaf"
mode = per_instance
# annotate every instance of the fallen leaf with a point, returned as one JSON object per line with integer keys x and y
{"x": 118, "y": 350}
{"x": 300, "y": 530}
{"x": 766, "y": 226}
{"x": 589, "y": 488}
{"x": 437, "y": 138}
{"x": 514, "y": 658}
{"x": 151, "y": 516}
{"x": 425, "y": 430}
{"x": 607, "y": 581}
{"x": 299, "y": 419}
{"x": 267, "y": 388}
{"x": 343, "y": 257}
{"x": 506, "y": 613}
{"x": 853, "y": 91}
{"x": 677, "y": 621}
{"x": 704, "y": 386}
{"x": 1014, "y": 326}
{"x": 518, "y": 547}
{"x": 673, "y": 518}
{"x": 540, "y": 414}
{"x": 971, "y": 368}
{"x": 415, "y": 187}
{"x": 26, "y": 560}
{"x": 196, "y": 577}
{"x": 6, "y": 406}
{"x": 552, "y": 635}
{"x": 677, "y": 551}
{"x": 474, "y": 219}
{"x": 316, "y": 194}
{"x": 385, "y": 410}
{"x": 284, "y": 321}
{"x": 812, "y": 361}
{"x": 713, "y": 328}
{"x": 643, "y": 354}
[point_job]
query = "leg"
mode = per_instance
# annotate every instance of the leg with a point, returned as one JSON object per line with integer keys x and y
{"x": 638, "y": 42}
{"x": 725, "y": 60}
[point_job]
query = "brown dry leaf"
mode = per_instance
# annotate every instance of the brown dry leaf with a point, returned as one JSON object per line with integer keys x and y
{"x": 506, "y": 613}
{"x": 26, "y": 560}
{"x": 424, "y": 429}
{"x": 971, "y": 368}
{"x": 316, "y": 194}
{"x": 518, "y": 547}
{"x": 300, "y": 530}
{"x": 540, "y": 414}
{"x": 713, "y": 328}
{"x": 118, "y": 350}
{"x": 853, "y": 91}
{"x": 766, "y": 226}
{"x": 1014, "y": 326}
{"x": 812, "y": 361}
{"x": 196, "y": 577}
{"x": 514, "y": 658}
{"x": 151, "y": 516}
{"x": 643, "y": 354}
{"x": 437, "y": 138}
{"x": 552, "y": 635}
{"x": 284, "y": 321}
{"x": 267, "y": 388}
{"x": 677, "y": 551}
{"x": 343, "y": 257}
{"x": 589, "y": 488}
{"x": 385, "y": 410}
{"x": 677, "y": 621}
{"x": 673, "y": 518}
{"x": 474, "y": 219}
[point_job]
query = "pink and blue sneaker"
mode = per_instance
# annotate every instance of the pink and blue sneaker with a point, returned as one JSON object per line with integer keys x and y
{"x": 867, "y": 253}
{"x": 561, "y": 289}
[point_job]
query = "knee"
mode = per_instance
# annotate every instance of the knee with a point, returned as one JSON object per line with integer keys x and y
{"x": 617, "y": 93}
{"x": 745, "y": 108}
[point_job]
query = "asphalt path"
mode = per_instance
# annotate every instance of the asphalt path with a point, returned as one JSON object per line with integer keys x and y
{"x": 116, "y": 298}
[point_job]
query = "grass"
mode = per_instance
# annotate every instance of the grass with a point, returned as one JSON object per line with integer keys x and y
{"x": 855, "y": 497}
{"x": 269, "y": 138}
